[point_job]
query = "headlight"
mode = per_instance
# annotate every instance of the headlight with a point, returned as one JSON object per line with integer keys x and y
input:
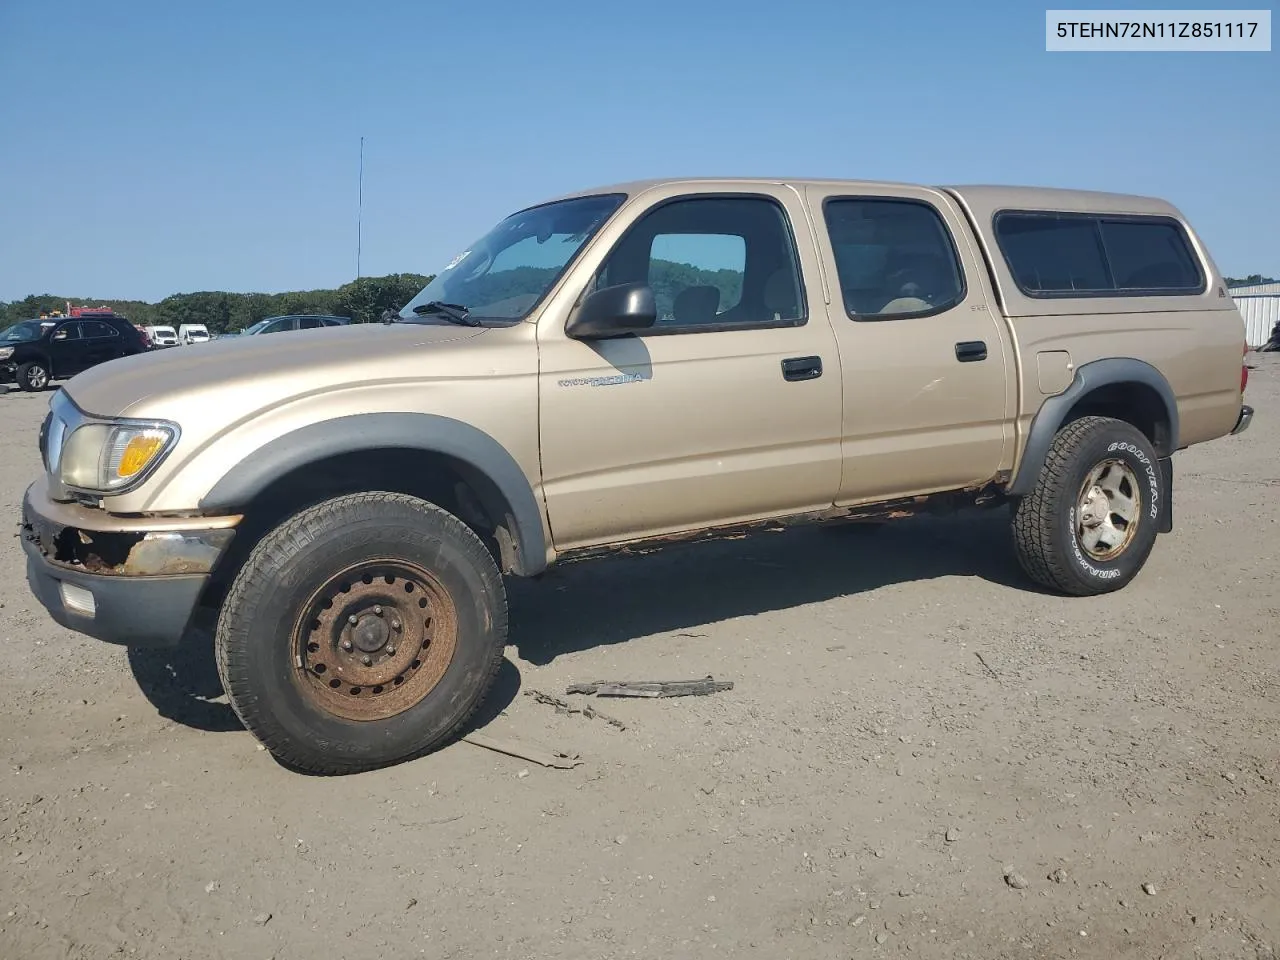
{"x": 6, "y": 353}
{"x": 113, "y": 455}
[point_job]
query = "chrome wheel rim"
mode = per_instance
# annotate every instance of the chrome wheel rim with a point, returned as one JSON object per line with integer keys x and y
{"x": 38, "y": 377}
{"x": 1108, "y": 509}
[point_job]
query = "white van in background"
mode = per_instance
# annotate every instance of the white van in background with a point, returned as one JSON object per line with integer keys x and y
{"x": 162, "y": 336}
{"x": 193, "y": 333}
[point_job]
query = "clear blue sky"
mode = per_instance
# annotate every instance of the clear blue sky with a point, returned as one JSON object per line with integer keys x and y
{"x": 150, "y": 147}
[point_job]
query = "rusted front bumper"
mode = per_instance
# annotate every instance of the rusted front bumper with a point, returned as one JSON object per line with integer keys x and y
{"x": 133, "y": 581}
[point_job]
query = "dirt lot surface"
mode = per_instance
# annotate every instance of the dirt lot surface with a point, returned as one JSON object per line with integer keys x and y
{"x": 922, "y": 756}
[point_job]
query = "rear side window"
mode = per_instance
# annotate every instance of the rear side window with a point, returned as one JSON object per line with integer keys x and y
{"x": 894, "y": 258}
{"x": 93, "y": 329}
{"x": 1086, "y": 255}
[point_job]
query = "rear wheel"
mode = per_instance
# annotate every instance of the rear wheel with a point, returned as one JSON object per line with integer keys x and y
{"x": 1090, "y": 523}
{"x": 33, "y": 375}
{"x": 362, "y": 632}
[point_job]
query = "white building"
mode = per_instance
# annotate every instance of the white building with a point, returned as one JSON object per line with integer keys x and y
{"x": 1260, "y": 307}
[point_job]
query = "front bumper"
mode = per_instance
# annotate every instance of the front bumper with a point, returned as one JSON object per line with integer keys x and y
{"x": 1242, "y": 423}
{"x": 136, "y": 585}
{"x": 8, "y": 371}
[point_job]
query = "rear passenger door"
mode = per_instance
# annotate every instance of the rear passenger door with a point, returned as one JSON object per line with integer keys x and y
{"x": 101, "y": 342}
{"x": 928, "y": 384}
{"x": 727, "y": 410}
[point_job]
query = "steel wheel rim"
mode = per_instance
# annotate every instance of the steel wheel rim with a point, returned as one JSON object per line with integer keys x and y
{"x": 1108, "y": 509}
{"x": 374, "y": 640}
{"x": 38, "y": 377}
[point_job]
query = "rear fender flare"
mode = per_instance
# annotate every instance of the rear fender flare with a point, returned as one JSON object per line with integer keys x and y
{"x": 1053, "y": 412}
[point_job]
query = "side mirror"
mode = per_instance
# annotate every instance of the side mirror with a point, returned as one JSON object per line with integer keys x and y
{"x": 614, "y": 312}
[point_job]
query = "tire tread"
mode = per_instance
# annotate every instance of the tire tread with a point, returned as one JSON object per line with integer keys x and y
{"x": 272, "y": 553}
{"x": 1036, "y": 513}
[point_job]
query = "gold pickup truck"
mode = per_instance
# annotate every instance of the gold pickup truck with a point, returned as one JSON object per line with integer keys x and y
{"x": 638, "y": 364}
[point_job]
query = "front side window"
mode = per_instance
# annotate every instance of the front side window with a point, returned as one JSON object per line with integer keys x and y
{"x": 505, "y": 274}
{"x": 713, "y": 263}
{"x": 68, "y": 331}
{"x": 1092, "y": 255}
{"x": 894, "y": 258}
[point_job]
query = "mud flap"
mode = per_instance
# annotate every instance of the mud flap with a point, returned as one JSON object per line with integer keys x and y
{"x": 1166, "y": 494}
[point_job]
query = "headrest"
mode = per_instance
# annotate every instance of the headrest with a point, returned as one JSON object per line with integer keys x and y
{"x": 696, "y": 305}
{"x": 780, "y": 294}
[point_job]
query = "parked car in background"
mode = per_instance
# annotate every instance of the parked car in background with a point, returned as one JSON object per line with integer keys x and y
{"x": 163, "y": 336}
{"x": 193, "y": 333}
{"x": 34, "y": 352}
{"x": 146, "y": 337}
{"x": 299, "y": 321}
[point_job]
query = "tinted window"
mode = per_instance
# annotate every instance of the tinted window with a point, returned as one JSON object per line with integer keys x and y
{"x": 309, "y": 323}
{"x": 96, "y": 328}
{"x": 1149, "y": 255}
{"x": 280, "y": 326}
{"x": 894, "y": 258}
{"x": 1084, "y": 255}
{"x": 712, "y": 261}
{"x": 1054, "y": 255}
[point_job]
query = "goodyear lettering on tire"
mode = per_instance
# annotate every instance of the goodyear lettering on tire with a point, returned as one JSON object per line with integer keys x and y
{"x": 1148, "y": 467}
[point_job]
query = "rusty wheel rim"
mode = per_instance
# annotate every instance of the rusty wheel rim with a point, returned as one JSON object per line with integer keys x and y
{"x": 374, "y": 640}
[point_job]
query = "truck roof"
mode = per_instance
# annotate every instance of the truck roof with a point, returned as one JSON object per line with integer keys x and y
{"x": 977, "y": 196}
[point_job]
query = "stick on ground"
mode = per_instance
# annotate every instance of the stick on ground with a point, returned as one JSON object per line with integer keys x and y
{"x": 652, "y": 688}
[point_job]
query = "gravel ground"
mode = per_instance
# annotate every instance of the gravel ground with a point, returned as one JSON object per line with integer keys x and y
{"x": 922, "y": 756}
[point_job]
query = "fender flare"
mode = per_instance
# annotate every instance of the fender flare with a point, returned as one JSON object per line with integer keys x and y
{"x": 1089, "y": 377}
{"x": 31, "y": 356}
{"x": 426, "y": 433}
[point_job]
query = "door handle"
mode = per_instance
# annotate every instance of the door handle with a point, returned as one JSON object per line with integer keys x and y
{"x": 967, "y": 351}
{"x": 802, "y": 368}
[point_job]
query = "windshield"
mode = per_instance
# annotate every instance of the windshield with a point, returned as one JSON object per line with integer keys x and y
{"x": 255, "y": 328}
{"x": 503, "y": 276}
{"x": 27, "y": 330}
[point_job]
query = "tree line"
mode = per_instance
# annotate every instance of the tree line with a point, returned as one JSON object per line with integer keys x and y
{"x": 362, "y": 300}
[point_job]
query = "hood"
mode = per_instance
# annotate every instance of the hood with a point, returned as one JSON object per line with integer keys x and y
{"x": 239, "y": 374}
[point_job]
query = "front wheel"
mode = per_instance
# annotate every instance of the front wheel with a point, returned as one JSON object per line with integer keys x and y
{"x": 1090, "y": 523}
{"x": 362, "y": 632}
{"x": 33, "y": 376}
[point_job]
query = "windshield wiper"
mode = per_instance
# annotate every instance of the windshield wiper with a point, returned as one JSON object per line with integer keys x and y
{"x": 453, "y": 312}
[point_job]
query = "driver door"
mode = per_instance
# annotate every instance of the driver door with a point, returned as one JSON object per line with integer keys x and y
{"x": 727, "y": 410}
{"x": 66, "y": 350}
